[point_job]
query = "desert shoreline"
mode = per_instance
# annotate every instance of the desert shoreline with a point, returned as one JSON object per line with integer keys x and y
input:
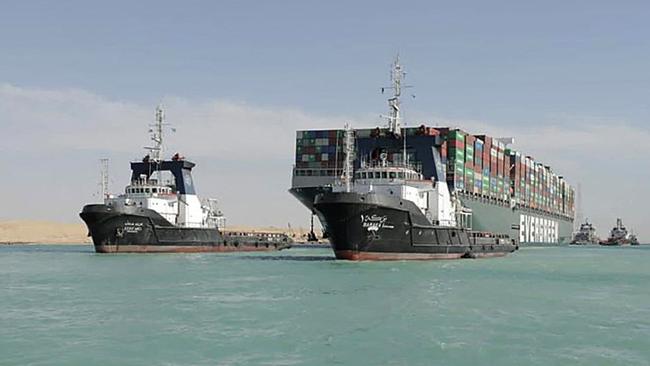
{"x": 33, "y": 232}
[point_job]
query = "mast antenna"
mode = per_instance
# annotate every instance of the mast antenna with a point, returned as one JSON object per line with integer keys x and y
{"x": 156, "y": 131}
{"x": 397, "y": 75}
{"x": 103, "y": 164}
{"x": 348, "y": 148}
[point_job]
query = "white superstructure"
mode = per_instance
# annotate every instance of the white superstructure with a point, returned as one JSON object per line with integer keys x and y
{"x": 431, "y": 197}
{"x": 400, "y": 180}
{"x": 166, "y": 187}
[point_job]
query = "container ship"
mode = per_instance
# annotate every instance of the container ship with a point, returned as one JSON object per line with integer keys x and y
{"x": 500, "y": 189}
{"x": 159, "y": 212}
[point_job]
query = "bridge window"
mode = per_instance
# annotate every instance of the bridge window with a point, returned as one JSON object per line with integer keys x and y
{"x": 400, "y": 175}
{"x": 392, "y": 175}
{"x": 363, "y": 175}
{"x": 384, "y": 175}
{"x": 147, "y": 190}
{"x": 154, "y": 190}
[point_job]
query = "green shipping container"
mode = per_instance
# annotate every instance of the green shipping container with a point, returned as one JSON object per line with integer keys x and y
{"x": 456, "y": 135}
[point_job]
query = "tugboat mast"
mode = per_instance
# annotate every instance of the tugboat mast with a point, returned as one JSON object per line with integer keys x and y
{"x": 394, "y": 119}
{"x": 103, "y": 163}
{"x": 348, "y": 150}
{"x": 156, "y": 131}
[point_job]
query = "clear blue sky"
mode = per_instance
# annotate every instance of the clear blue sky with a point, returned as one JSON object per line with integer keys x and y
{"x": 504, "y": 63}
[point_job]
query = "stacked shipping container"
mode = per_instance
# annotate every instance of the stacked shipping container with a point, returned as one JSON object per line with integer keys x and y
{"x": 494, "y": 171}
{"x": 479, "y": 165}
{"x": 319, "y": 150}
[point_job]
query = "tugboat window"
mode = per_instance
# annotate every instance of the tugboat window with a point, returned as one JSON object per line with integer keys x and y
{"x": 384, "y": 175}
{"x": 393, "y": 175}
{"x": 154, "y": 190}
{"x": 400, "y": 175}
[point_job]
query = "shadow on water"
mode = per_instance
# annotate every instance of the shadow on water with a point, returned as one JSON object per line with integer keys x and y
{"x": 298, "y": 258}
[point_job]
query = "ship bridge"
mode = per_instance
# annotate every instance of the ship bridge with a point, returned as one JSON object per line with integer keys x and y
{"x": 387, "y": 173}
{"x": 180, "y": 168}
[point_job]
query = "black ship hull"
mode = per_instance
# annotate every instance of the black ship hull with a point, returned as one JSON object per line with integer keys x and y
{"x": 140, "y": 230}
{"x": 618, "y": 243}
{"x": 379, "y": 227}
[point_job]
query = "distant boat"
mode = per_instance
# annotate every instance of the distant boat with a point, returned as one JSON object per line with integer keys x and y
{"x": 586, "y": 235}
{"x": 619, "y": 236}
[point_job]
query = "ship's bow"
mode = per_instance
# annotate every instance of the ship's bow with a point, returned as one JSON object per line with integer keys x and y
{"x": 362, "y": 226}
{"x": 110, "y": 227}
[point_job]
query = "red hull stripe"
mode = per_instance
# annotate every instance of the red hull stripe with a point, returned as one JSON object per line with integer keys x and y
{"x": 387, "y": 256}
{"x": 180, "y": 248}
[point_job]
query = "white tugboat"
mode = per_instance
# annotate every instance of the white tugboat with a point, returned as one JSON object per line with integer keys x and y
{"x": 586, "y": 235}
{"x": 620, "y": 236}
{"x": 159, "y": 211}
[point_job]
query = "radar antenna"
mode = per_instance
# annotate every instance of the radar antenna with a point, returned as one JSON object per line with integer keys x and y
{"x": 396, "y": 77}
{"x": 348, "y": 149}
{"x": 156, "y": 131}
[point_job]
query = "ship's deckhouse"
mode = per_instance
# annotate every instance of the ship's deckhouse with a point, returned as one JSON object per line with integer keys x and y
{"x": 403, "y": 181}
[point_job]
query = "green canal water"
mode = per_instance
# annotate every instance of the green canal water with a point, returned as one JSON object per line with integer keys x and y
{"x": 65, "y": 305}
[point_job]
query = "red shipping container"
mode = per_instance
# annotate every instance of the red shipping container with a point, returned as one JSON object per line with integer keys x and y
{"x": 500, "y": 167}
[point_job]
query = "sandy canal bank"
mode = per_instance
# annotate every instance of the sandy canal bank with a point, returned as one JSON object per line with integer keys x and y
{"x": 42, "y": 232}
{"x": 51, "y": 232}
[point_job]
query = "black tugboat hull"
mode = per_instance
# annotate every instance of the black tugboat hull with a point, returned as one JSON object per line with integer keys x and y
{"x": 379, "y": 227}
{"x": 618, "y": 243}
{"x": 140, "y": 230}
